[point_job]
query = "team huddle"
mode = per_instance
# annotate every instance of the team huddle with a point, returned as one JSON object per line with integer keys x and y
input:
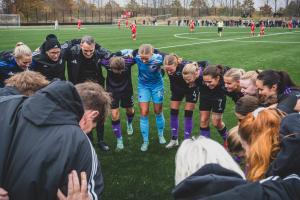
{"x": 37, "y": 99}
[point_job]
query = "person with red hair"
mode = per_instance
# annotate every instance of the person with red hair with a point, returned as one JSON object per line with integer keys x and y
{"x": 259, "y": 133}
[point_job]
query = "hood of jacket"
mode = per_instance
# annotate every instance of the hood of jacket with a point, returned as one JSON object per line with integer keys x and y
{"x": 58, "y": 103}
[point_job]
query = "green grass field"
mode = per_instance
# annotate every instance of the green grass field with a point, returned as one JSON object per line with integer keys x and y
{"x": 133, "y": 174}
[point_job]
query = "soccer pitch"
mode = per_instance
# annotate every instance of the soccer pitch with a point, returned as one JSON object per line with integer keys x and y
{"x": 132, "y": 174}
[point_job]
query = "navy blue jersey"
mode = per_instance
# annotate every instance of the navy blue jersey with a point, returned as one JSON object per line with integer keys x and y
{"x": 119, "y": 84}
{"x": 177, "y": 83}
{"x": 8, "y": 67}
{"x": 216, "y": 93}
{"x": 235, "y": 96}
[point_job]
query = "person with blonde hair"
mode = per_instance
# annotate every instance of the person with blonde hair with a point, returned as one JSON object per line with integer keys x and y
{"x": 202, "y": 168}
{"x": 247, "y": 83}
{"x": 174, "y": 66}
{"x": 259, "y": 132}
{"x": 195, "y": 153}
{"x": 232, "y": 83}
{"x": 150, "y": 87}
{"x": 12, "y": 62}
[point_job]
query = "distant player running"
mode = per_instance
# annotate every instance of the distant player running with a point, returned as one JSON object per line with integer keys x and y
{"x": 192, "y": 25}
{"x": 220, "y": 28}
{"x": 262, "y": 29}
{"x": 252, "y": 29}
{"x": 78, "y": 24}
{"x": 133, "y": 31}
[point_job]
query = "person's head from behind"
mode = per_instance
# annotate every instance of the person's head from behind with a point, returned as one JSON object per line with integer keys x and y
{"x": 87, "y": 46}
{"x": 248, "y": 83}
{"x": 52, "y": 47}
{"x": 27, "y": 82}
{"x": 212, "y": 76}
{"x": 23, "y": 55}
{"x": 232, "y": 79}
{"x": 259, "y": 132}
{"x": 245, "y": 105}
{"x": 171, "y": 62}
{"x": 234, "y": 142}
{"x": 145, "y": 52}
{"x": 195, "y": 153}
{"x": 96, "y": 103}
{"x": 190, "y": 73}
{"x": 271, "y": 83}
{"x": 117, "y": 64}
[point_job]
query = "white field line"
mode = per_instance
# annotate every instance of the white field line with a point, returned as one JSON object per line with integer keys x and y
{"x": 273, "y": 42}
{"x": 217, "y": 41}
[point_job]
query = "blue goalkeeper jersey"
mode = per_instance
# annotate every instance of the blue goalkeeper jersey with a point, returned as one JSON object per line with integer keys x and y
{"x": 149, "y": 73}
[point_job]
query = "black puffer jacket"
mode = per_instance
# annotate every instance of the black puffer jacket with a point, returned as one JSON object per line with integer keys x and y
{"x": 43, "y": 143}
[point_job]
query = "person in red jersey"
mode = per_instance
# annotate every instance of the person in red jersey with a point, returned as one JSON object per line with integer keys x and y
{"x": 192, "y": 25}
{"x": 290, "y": 25}
{"x": 119, "y": 23}
{"x": 262, "y": 29}
{"x": 252, "y": 29}
{"x": 78, "y": 24}
{"x": 126, "y": 23}
{"x": 133, "y": 31}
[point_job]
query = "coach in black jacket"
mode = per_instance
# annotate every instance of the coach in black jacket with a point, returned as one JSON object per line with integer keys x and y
{"x": 83, "y": 59}
{"x": 41, "y": 142}
{"x": 48, "y": 60}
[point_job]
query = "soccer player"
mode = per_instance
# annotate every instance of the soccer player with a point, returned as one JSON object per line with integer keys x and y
{"x": 83, "y": 63}
{"x": 232, "y": 83}
{"x": 262, "y": 29}
{"x": 119, "y": 23}
{"x": 179, "y": 90}
{"x": 133, "y": 31}
{"x": 56, "y": 24}
{"x": 78, "y": 24}
{"x": 192, "y": 25}
{"x": 119, "y": 84}
{"x": 290, "y": 25}
{"x": 252, "y": 26}
{"x": 220, "y": 25}
{"x": 150, "y": 86}
{"x": 127, "y": 23}
{"x": 13, "y": 62}
{"x": 212, "y": 98}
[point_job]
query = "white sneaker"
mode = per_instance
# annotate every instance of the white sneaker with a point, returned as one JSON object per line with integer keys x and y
{"x": 120, "y": 145}
{"x": 162, "y": 140}
{"x": 129, "y": 128}
{"x": 144, "y": 146}
{"x": 172, "y": 143}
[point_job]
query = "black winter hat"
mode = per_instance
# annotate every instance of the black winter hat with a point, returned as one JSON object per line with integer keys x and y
{"x": 51, "y": 43}
{"x": 290, "y": 124}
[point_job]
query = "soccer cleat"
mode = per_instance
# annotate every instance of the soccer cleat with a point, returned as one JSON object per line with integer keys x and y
{"x": 162, "y": 140}
{"x": 129, "y": 128}
{"x": 144, "y": 146}
{"x": 120, "y": 145}
{"x": 172, "y": 143}
{"x": 103, "y": 146}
